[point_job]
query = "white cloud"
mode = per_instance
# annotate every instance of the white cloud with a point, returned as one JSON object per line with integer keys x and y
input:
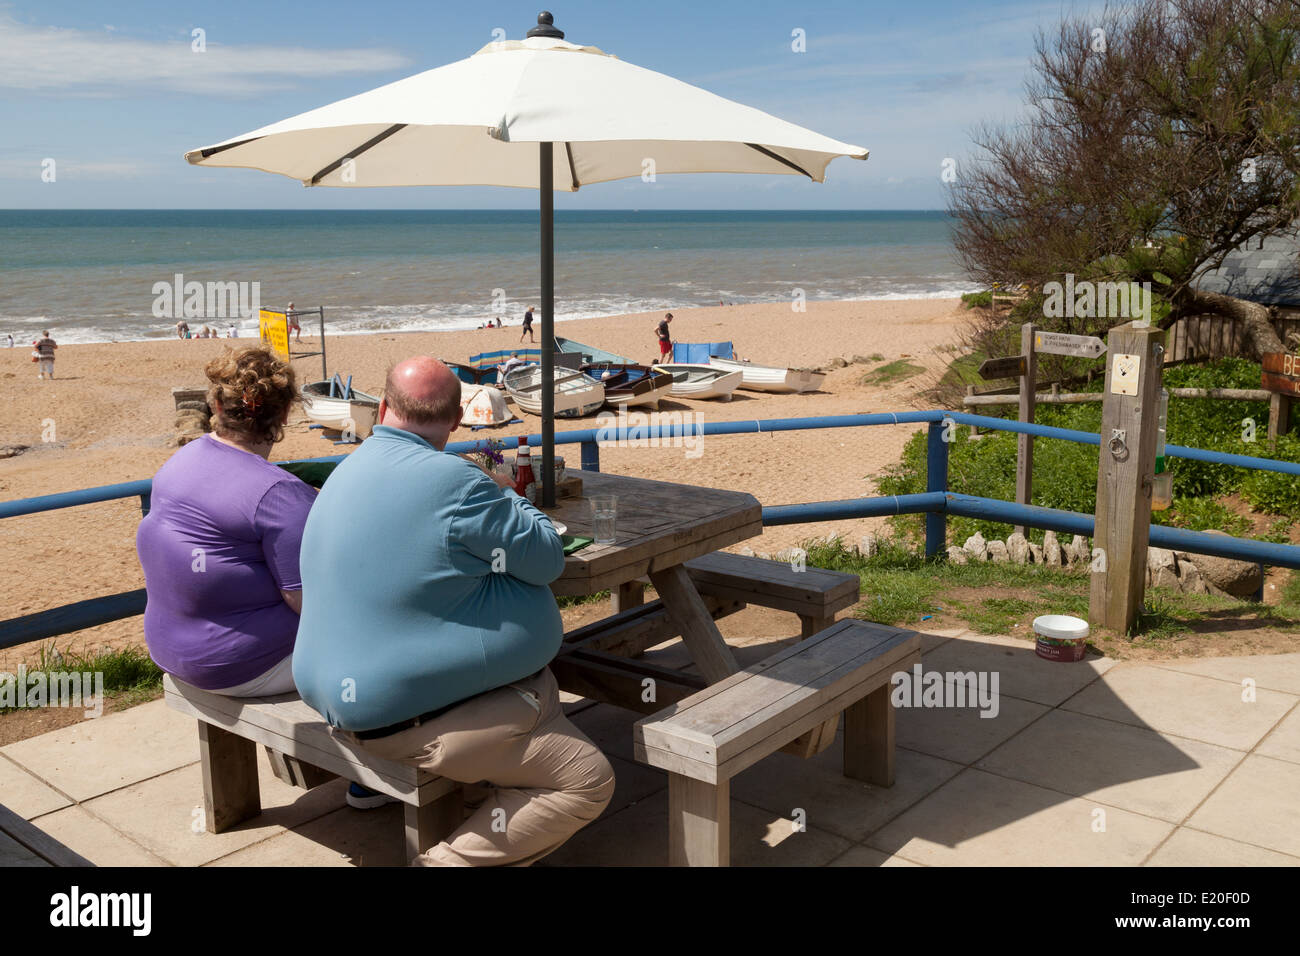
{"x": 84, "y": 62}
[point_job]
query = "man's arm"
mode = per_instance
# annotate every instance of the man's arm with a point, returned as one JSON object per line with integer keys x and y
{"x": 507, "y": 532}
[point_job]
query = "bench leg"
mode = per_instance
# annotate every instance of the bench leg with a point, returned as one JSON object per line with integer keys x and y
{"x": 230, "y": 794}
{"x": 869, "y": 739}
{"x": 810, "y": 624}
{"x": 627, "y": 595}
{"x": 432, "y": 823}
{"x": 295, "y": 772}
{"x": 699, "y": 822}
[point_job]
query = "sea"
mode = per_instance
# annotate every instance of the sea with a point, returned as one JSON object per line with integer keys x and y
{"x": 115, "y": 275}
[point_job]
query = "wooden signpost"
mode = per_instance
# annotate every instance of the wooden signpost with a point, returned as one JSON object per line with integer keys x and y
{"x": 1281, "y": 376}
{"x": 1129, "y": 417}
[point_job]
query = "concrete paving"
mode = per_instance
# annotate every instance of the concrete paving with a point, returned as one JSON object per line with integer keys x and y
{"x": 1171, "y": 763}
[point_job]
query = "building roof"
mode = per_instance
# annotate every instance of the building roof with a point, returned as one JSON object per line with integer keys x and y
{"x": 1266, "y": 271}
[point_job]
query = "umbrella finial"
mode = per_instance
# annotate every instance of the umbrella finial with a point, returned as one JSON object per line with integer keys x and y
{"x": 546, "y": 27}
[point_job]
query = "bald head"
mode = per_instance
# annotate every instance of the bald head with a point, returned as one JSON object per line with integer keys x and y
{"x": 422, "y": 396}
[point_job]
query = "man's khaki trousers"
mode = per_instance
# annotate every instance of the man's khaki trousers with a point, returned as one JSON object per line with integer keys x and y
{"x": 544, "y": 780}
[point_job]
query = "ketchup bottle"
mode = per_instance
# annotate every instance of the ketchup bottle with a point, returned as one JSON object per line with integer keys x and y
{"x": 523, "y": 471}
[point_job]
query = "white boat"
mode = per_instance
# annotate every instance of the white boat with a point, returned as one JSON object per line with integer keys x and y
{"x": 356, "y": 413}
{"x": 576, "y": 394}
{"x": 764, "y": 378}
{"x": 701, "y": 381}
{"x": 627, "y": 383}
{"x": 483, "y": 405}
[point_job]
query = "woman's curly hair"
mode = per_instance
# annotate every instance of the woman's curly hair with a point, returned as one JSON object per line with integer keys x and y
{"x": 250, "y": 392}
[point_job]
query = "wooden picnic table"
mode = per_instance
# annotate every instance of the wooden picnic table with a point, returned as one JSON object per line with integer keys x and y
{"x": 660, "y": 525}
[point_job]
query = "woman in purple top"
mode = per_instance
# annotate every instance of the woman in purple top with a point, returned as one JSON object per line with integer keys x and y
{"x": 219, "y": 546}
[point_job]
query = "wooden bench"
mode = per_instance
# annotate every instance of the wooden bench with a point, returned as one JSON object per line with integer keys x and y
{"x": 305, "y": 753}
{"x": 815, "y": 595}
{"x": 25, "y": 844}
{"x": 706, "y": 739}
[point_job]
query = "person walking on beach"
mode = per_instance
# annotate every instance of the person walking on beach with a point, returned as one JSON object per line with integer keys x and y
{"x": 665, "y": 340}
{"x": 439, "y": 660}
{"x": 294, "y": 325}
{"x": 45, "y": 347}
{"x": 11, "y": 340}
{"x": 181, "y": 328}
{"x": 528, "y": 326}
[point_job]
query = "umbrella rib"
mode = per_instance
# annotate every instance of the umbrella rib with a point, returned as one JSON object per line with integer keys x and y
{"x": 780, "y": 159}
{"x": 213, "y": 150}
{"x": 373, "y": 141}
{"x": 573, "y": 173}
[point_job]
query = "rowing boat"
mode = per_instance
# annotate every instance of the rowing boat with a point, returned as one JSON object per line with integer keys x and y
{"x": 627, "y": 383}
{"x": 701, "y": 381}
{"x": 339, "y": 407}
{"x": 766, "y": 378}
{"x": 576, "y": 394}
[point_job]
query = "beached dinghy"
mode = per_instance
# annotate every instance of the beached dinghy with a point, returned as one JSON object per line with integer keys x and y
{"x": 576, "y": 394}
{"x": 764, "y": 378}
{"x": 472, "y": 375}
{"x": 337, "y": 405}
{"x": 701, "y": 381}
{"x": 631, "y": 384}
{"x": 590, "y": 354}
{"x": 484, "y": 405}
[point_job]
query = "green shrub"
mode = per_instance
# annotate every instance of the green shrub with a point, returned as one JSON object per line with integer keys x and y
{"x": 973, "y": 299}
{"x": 1272, "y": 491}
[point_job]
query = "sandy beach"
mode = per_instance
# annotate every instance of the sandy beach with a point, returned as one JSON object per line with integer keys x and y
{"x": 108, "y": 417}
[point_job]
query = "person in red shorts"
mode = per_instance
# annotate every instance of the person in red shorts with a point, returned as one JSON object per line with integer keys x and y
{"x": 665, "y": 340}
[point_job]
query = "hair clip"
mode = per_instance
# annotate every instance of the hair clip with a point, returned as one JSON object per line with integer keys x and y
{"x": 251, "y": 404}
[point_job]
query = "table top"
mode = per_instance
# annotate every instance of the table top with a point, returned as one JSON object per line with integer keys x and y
{"x": 660, "y": 524}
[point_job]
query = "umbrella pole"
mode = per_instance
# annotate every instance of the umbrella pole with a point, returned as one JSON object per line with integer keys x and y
{"x": 546, "y": 180}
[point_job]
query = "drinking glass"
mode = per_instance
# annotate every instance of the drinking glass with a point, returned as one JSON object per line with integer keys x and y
{"x": 604, "y": 510}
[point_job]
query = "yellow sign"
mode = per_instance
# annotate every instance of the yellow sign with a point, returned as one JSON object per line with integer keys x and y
{"x": 274, "y": 330}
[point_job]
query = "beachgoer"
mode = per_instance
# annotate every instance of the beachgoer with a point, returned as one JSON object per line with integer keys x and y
{"x": 294, "y": 325}
{"x": 11, "y": 340}
{"x": 188, "y": 334}
{"x": 511, "y": 364}
{"x": 45, "y": 347}
{"x": 181, "y": 328}
{"x": 435, "y": 654}
{"x": 220, "y": 558}
{"x": 528, "y": 326}
{"x": 665, "y": 340}
{"x": 232, "y": 333}
{"x": 498, "y": 322}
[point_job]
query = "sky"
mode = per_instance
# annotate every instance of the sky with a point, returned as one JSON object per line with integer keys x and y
{"x": 115, "y": 92}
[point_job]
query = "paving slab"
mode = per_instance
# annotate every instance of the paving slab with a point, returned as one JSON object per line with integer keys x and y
{"x": 1124, "y": 766}
{"x": 981, "y": 819}
{"x": 1283, "y": 742}
{"x": 96, "y": 840}
{"x": 1188, "y": 847}
{"x": 1021, "y": 672}
{"x": 638, "y": 836}
{"x": 836, "y": 803}
{"x": 96, "y": 756}
{"x": 25, "y": 794}
{"x": 161, "y": 813}
{"x": 1257, "y": 804}
{"x": 960, "y": 734}
{"x": 345, "y": 837}
{"x": 1188, "y": 705}
{"x": 865, "y": 856}
{"x": 1273, "y": 671}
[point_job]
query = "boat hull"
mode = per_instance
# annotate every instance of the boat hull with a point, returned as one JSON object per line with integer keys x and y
{"x": 763, "y": 378}
{"x": 358, "y": 414}
{"x": 702, "y": 381}
{"x": 576, "y": 394}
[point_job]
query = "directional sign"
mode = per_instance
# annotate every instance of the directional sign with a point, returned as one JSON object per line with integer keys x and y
{"x": 1009, "y": 367}
{"x": 1058, "y": 343}
{"x": 1281, "y": 373}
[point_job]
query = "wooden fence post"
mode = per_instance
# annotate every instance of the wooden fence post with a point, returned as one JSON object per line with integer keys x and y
{"x": 1129, "y": 416}
{"x": 1025, "y": 443}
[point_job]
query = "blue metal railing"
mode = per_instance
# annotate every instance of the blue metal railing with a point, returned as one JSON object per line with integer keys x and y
{"x": 936, "y": 503}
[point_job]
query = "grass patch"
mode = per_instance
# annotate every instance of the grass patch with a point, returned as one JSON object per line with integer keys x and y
{"x": 567, "y": 600}
{"x": 899, "y": 587}
{"x": 896, "y": 371}
{"x": 129, "y": 673}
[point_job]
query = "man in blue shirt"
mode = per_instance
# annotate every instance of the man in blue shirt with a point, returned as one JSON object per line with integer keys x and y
{"x": 427, "y": 625}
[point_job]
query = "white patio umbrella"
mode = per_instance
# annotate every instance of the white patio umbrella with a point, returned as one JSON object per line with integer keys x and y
{"x": 527, "y": 113}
